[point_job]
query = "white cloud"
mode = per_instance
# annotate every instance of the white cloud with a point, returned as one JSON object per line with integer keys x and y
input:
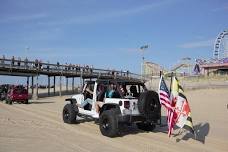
{"x": 222, "y": 8}
{"x": 198, "y": 44}
{"x": 86, "y": 19}
{"x": 27, "y": 17}
{"x": 53, "y": 19}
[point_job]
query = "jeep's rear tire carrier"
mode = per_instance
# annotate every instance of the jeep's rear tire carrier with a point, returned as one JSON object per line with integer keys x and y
{"x": 149, "y": 105}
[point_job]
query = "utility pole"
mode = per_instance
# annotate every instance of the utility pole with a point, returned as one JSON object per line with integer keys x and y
{"x": 142, "y": 48}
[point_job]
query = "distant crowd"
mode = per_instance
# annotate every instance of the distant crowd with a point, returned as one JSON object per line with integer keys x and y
{"x": 39, "y": 65}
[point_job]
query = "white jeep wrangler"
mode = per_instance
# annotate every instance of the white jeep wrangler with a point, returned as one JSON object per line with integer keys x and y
{"x": 133, "y": 105}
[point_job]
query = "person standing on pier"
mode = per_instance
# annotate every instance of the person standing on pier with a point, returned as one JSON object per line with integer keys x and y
{"x": 19, "y": 61}
{"x": 40, "y": 65}
{"x": 36, "y": 63}
{"x": 58, "y": 65}
{"x": 66, "y": 65}
{"x": 77, "y": 68}
{"x": 3, "y": 60}
{"x": 48, "y": 66}
{"x": 69, "y": 67}
{"x": 26, "y": 63}
{"x": 12, "y": 61}
{"x": 91, "y": 69}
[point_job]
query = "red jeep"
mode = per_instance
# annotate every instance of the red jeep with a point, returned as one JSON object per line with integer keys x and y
{"x": 17, "y": 94}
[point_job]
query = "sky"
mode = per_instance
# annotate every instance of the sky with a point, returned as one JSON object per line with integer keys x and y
{"x": 109, "y": 33}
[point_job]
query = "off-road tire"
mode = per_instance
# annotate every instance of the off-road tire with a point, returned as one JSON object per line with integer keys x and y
{"x": 70, "y": 112}
{"x": 9, "y": 101}
{"x": 108, "y": 123}
{"x": 149, "y": 105}
{"x": 146, "y": 126}
{"x": 26, "y": 101}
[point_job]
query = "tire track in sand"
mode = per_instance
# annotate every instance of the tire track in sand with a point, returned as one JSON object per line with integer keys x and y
{"x": 112, "y": 143}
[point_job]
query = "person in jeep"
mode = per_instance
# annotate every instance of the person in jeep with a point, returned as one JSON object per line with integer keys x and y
{"x": 88, "y": 97}
{"x": 102, "y": 89}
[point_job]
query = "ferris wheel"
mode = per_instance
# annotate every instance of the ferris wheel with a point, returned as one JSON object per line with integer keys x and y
{"x": 221, "y": 46}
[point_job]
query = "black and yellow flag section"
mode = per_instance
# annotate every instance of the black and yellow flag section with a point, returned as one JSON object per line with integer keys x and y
{"x": 189, "y": 125}
{"x": 182, "y": 112}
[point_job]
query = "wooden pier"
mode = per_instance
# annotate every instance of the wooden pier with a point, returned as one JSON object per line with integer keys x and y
{"x": 33, "y": 69}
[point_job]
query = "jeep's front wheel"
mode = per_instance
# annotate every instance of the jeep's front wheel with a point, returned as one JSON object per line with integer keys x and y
{"x": 9, "y": 101}
{"x": 69, "y": 113}
{"x": 108, "y": 123}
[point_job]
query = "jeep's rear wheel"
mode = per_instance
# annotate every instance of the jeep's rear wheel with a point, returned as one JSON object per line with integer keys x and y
{"x": 70, "y": 113}
{"x": 146, "y": 126}
{"x": 108, "y": 123}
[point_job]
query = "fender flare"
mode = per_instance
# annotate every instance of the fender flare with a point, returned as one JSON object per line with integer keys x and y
{"x": 109, "y": 106}
{"x": 72, "y": 100}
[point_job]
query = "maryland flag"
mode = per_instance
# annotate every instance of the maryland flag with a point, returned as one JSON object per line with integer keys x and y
{"x": 176, "y": 104}
{"x": 182, "y": 114}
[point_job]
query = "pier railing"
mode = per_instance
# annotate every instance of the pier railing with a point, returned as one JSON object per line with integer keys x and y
{"x": 73, "y": 70}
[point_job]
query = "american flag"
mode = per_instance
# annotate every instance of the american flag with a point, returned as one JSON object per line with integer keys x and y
{"x": 164, "y": 97}
{"x": 164, "y": 94}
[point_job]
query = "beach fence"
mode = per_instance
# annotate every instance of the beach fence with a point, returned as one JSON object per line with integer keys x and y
{"x": 192, "y": 82}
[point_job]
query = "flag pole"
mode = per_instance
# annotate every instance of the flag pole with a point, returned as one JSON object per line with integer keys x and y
{"x": 195, "y": 134}
{"x": 170, "y": 89}
{"x": 160, "y": 109}
{"x": 171, "y": 82}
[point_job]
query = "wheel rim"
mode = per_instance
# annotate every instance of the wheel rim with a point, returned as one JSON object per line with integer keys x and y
{"x": 151, "y": 106}
{"x": 105, "y": 124}
{"x": 66, "y": 114}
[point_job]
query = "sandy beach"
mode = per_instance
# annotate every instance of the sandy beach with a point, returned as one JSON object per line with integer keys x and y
{"x": 38, "y": 127}
{"x": 114, "y": 53}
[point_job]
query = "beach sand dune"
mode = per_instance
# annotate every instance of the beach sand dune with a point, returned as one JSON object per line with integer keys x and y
{"x": 39, "y": 127}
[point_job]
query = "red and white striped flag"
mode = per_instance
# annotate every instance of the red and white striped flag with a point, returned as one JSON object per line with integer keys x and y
{"x": 164, "y": 97}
